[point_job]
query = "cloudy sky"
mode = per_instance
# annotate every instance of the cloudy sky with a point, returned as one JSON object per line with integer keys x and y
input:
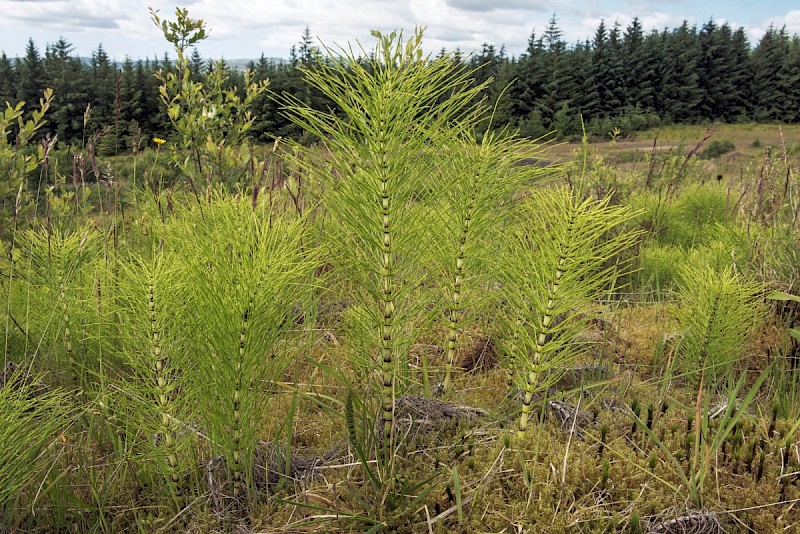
{"x": 246, "y": 28}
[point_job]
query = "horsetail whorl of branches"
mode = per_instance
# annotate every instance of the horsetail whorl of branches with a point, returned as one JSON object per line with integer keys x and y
{"x": 565, "y": 256}
{"x": 484, "y": 179}
{"x": 400, "y": 110}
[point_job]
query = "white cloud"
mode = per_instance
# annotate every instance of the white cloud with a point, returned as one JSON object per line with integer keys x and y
{"x": 791, "y": 21}
{"x": 245, "y": 28}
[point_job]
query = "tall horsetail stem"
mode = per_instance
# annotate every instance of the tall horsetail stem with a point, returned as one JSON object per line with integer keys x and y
{"x": 455, "y": 309}
{"x": 387, "y": 282}
{"x": 544, "y": 333}
{"x": 387, "y": 290}
{"x": 163, "y": 394}
{"x": 237, "y": 397}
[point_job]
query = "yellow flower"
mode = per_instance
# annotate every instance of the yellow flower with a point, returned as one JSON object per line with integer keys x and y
{"x": 159, "y": 141}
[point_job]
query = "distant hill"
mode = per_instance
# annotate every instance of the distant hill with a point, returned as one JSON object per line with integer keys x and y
{"x": 238, "y": 64}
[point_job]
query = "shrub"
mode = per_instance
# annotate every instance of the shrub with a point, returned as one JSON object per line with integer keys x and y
{"x": 716, "y": 148}
{"x": 658, "y": 267}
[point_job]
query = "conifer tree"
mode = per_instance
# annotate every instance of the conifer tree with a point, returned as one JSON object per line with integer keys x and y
{"x": 528, "y": 90}
{"x": 8, "y": 79}
{"x": 30, "y": 74}
{"x": 560, "y": 83}
{"x": 639, "y": 72}
{"x": 65, "y": 74}
{"x": 790, "y": 80}
{"x": 766, "y": 97}
{"x": 104, "y": 117}
{"x": 721, "y": 98}
{"x": 681, "y": 91}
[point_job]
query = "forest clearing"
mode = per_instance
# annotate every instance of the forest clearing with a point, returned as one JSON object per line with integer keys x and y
{"x": 418, "y": 322}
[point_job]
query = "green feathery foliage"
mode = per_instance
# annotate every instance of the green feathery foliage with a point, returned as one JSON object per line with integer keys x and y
{"x": 561, "y": 261}
{"x": 719, "y": 312}
{"x": 30, "y": 418}
{"x": 377, "y": 169}
{"x": 484, "y": 180}
{"x": 147, "y": 311}
{"x": 50, "y": 295}
{"x": 248, "y": 283}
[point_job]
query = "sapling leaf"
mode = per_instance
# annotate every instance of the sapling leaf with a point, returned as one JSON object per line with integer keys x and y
{"x": 783, "y": 296}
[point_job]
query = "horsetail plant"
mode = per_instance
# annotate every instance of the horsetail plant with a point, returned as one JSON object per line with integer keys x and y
{"x": 50, "y": 296}
{"x": 31, "y": 416}
{"x": 485, "y": 179}
{"x": 247, "y": 279}
{"x": 719, "y": 312}
{"x": 378, "y": 178}
{"x": 563, "y": 258}
{"x": 148, "y": 303}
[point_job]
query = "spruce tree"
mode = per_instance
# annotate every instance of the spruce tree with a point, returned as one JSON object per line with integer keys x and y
{"x": 103, "y": 90}
{"x": 66, "y": 75}
{"x": 196, "y": 65}
{"x": 131, "y": 105}
{"x": 790, "y": 81}
{"x": 767, "y": 98}
{"x": 527, "y": 92}
{"x": 681, "y": 90}
{"x": 739, "y": 74}
{"x": 654, "y": 51}
{"x": 560, "y": 81}
{"x": 30, "y": 75}
{"x": 639, "y": 72}
{"x": 721, "y": 97}
{"x": 605, "y": 83}
{"x": 8, "y": 80}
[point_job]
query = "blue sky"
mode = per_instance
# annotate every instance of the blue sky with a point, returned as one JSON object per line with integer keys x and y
{"x": 246, "y": 28}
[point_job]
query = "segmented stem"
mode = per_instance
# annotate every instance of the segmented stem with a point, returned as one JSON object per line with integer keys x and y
{"x": 65, "y": 317}
{"x": 698, "y": 477}
{"x": 387, "y": 344}
{"x": 545, "y": 332}
{"x": 455, "y": 309}
{"x": 163, "y": 393}
{"x": 237, "y": 398}
{"x": 387, "y": 282}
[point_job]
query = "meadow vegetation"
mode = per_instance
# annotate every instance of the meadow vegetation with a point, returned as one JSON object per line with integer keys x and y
{"x": 418, "y": 323}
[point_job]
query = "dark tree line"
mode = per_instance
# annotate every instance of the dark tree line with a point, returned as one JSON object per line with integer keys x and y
{"x": 630, "y": 79}
{"x": 622, "y": 77}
